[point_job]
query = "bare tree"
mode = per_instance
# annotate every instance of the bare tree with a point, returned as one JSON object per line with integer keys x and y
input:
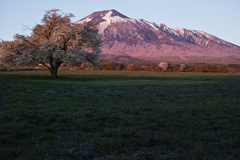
{"x": 53, "y": 42}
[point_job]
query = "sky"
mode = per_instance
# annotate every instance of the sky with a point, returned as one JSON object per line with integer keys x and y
{"x": 220, "y": 18}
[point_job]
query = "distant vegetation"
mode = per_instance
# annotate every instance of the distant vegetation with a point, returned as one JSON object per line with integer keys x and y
{"x": 172, "y": 59}
{"x": 171, "y": 67}
{"x": 199, "y": 68}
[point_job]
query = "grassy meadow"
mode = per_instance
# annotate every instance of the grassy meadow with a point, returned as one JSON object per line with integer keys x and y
{"x": 119, "y": 115}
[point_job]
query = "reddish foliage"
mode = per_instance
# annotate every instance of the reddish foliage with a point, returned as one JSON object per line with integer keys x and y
{"x": 199, "y": 68}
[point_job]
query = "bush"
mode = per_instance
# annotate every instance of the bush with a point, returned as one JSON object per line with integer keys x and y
{"x": 107, "y": 66}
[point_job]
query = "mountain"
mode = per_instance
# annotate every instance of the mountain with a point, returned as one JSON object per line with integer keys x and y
{"x": 142, "y": 40}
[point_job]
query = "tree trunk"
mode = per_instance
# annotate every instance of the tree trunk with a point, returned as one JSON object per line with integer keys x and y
{"x": 54, "y": 72}
{"x": 54, "y": 68}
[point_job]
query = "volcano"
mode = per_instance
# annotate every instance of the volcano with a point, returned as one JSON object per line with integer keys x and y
{"x": 133, "y": 40}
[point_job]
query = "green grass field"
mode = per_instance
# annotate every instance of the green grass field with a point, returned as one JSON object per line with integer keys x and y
{"x": 119, "y": 115}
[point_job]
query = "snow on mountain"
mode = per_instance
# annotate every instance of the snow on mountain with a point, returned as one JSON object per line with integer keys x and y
{"x": 107, "y": 18}
{"x": 122, "y": 35}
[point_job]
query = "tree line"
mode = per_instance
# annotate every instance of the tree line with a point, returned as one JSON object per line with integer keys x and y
{"x": 171, "y": 67}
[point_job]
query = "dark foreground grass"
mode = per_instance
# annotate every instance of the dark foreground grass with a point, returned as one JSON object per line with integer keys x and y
{"x": 119, "y": 115}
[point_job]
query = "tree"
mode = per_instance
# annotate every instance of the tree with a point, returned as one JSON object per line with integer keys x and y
{"x": 107, "y": 66}
{"x": 224, "y": 68}
{"x": 53, "y": 42}
{"x": 163, "y": 66}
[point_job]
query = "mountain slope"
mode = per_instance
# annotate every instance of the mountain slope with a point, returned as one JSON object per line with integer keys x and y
{"x": 138, "y": 38}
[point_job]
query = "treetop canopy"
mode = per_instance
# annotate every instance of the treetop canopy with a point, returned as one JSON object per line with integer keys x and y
{"x": 53, "y": 42}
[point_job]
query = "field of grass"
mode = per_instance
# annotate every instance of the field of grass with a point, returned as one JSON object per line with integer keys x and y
{"x": 119, "y": 115}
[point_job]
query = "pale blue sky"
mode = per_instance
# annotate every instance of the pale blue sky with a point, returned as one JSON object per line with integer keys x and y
{"x": 220, "y": 18}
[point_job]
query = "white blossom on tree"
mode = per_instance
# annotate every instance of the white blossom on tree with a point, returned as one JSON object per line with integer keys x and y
{"x": 182, "y": 67}
{"x": 163, "y": 65}
{"x": 54, "y": 42}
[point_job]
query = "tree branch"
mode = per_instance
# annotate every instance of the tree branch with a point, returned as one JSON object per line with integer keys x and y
{"x": 26, "y": 28}
{"x": 42, "y": 64}
{"x": 18, "y": 52}
{"x": 36, "y": 61}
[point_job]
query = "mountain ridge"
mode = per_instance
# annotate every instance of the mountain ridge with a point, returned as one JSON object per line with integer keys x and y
{"x": 139, "y": 38}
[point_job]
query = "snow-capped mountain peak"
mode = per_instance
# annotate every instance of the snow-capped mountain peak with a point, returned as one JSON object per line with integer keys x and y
{"x": 111, "y": 17}
{"x": 137, "y": 37}
{"x": 104, "y": 18}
